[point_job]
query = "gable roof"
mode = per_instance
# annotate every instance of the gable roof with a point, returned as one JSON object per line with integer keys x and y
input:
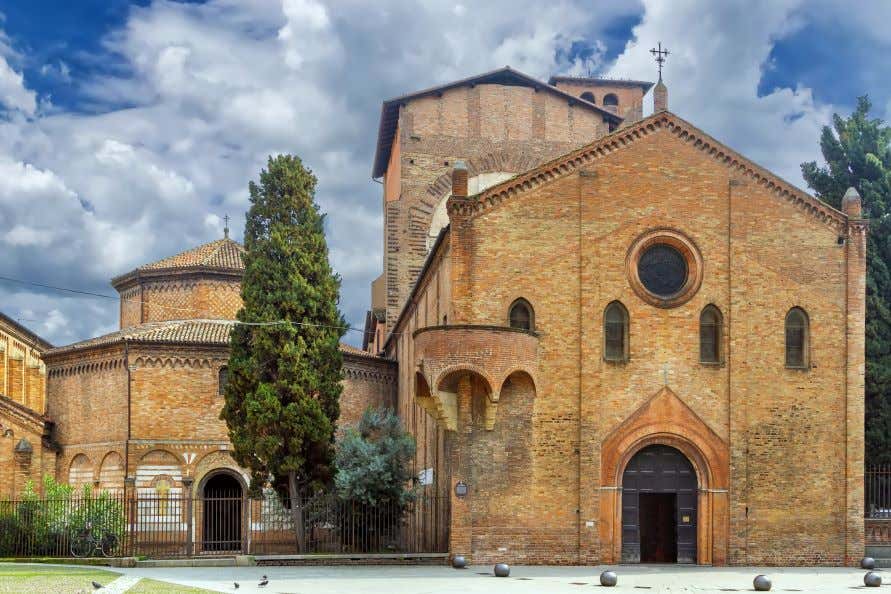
{"x": 222, "y": 255}
{"x": 624, "y": 137}
{"x": 23, "y": 333}
{"x": 503, "y": 76}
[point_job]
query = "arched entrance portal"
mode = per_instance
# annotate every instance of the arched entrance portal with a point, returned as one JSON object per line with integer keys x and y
{"x": 222, "y": 497}
{"x": 659, "y": 505}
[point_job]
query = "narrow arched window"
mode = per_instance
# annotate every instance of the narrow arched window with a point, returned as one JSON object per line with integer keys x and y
{"x": 615, "y": 332}
{"x": 610, "y": 100}
{"x": 589, "y": 97}
{"x": 521, "y": 316}
{"x": 797, "y": 337}
{"x": 222, "y": 380}
{"x": 710, "y": 323}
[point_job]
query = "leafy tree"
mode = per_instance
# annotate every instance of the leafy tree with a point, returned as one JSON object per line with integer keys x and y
{"x": 285, "y": 363}
{"x": 374, "y": 460}
{"x": 857, "y": 154}
{"x": 374, "y": 477}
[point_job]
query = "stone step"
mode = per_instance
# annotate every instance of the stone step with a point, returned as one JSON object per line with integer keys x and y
{"x": 876, "y": 551}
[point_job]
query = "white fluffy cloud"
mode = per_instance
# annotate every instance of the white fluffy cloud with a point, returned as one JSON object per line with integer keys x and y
{"x": 14, "y": 96}
{"x": 215, "y": 88}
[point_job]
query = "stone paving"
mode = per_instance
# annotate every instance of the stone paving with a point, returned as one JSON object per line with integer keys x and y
{"x": 522, "y": 580}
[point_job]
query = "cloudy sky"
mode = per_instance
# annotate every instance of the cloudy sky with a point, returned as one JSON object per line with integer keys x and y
{"x": 128, "y": 129}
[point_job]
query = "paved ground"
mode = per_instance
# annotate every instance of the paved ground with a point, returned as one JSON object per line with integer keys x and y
{"x": 523, "y": 580}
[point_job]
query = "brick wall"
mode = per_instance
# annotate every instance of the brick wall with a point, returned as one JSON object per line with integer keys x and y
{"x": 177, "y": 299}
{"x": 790, "y": 497}
{"x": 18, "y": 423}
{"x": 368, "y": 382}
{"x": 493, "y": 128}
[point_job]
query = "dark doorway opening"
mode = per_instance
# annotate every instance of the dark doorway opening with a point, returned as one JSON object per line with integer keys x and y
{"x": 658, "y": 528}
{"x": 222, "y": 513}
{"x": 659, "y": 506}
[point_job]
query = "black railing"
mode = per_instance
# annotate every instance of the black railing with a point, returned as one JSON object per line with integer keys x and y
{"x": 877, "y": 492}
{"x": 182, "y": 525}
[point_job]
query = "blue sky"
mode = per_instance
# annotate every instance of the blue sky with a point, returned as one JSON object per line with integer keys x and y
{"x": 128, "y": 129}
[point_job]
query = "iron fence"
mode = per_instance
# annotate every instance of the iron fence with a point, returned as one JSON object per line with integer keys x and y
{"x": 877, "y": 492}
{"x": 181, "y": 525}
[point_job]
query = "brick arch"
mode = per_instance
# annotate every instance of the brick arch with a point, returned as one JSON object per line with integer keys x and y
{"x": 213, "y": 462}
{"x": 451, "y": 370}
{"x": 111, "y": 471}
{"x": 510, "y": 161}
{"x": 519, "y": 371}
{"x": 80, "y": 471}
{"x": 665, "y": 419}
{"x": 504, "y": 160}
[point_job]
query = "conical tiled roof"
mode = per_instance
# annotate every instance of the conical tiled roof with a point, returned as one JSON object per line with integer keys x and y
{"x": 222, "y": 253}
{"x": 223, "y": 256}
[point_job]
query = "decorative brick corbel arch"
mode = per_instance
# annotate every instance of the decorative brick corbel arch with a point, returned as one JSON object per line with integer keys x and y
{"x": 665, "y": 419}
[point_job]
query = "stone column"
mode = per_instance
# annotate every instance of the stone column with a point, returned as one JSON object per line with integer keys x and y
{"x": 190, "y": 515}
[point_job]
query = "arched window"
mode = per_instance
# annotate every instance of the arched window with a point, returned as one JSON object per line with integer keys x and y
{"x": 710, "y": 323}
{"x": 610, "y": 100}
{"x": 222, "y": 380}
{"x": 589, "y": 97}
{"x": 521, "y": 316}
{"x": 797, "y": 338}
{"x": 615, "y": 332}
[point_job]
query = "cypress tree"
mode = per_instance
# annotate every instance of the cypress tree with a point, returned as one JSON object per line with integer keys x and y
{"x": 285, "y": 363}
{"x": 857, "y": 154}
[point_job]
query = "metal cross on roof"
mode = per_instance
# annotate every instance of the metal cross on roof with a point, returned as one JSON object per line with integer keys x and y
{"x": 660, "y": 55}
{"x": 226, "y": 228}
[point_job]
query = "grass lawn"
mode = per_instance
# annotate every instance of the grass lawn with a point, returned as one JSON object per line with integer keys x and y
{"x": 38, "y": 579}
{"x": 154, "y": 586}
{"x": 20, "y": 578}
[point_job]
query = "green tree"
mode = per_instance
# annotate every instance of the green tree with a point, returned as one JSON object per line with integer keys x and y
{"x": 374, "y": 477}
{"x": 285, "y": 363}
{"x": 374, "y": 460}
{"x": 857, "y": 154}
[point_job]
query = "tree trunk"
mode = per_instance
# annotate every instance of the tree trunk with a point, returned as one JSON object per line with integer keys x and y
{"x": 297, "y": 512}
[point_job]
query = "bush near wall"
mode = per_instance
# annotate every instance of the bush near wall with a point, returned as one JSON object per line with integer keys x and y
{"x": 44, "y": 525}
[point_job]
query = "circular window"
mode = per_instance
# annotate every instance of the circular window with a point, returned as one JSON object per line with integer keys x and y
{"x": 664, "y": 268}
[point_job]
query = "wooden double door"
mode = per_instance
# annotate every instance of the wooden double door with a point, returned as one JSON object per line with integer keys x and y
{"x": 659, "y": 497}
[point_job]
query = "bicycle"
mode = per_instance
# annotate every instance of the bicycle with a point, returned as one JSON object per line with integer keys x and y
{"x": 86, "y": 543}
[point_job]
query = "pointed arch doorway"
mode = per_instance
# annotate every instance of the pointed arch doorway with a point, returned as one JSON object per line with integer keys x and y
{"x": 665, "y": 420}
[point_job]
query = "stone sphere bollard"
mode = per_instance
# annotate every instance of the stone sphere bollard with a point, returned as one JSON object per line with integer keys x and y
{"x": 459, "y": 562}
{"x": 762, "y": 583}
{"x": 502, "y": 570}
{"x": 868, "y": 563}
{"x": 609, "y": 579}
{"x": 872, "y": 579}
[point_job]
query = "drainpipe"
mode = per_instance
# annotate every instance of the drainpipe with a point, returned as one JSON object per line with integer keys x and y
{"x": 127, "y": 442}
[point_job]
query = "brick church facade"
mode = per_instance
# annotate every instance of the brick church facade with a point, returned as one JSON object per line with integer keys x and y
{"x": 618, "y": 340}
{"x": 614, "y": 338}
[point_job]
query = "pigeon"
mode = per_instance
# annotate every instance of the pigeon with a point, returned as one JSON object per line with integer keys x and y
{"x": 263, "y": 582}
{"x": 237, "y": 585}
{"x": 97, "y": 585}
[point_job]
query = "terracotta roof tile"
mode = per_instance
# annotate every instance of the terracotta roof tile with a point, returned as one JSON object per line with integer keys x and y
{"x": 179, "y": 331}
{"x": 222, "y": 253}
{"x": 204, "y": 332}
